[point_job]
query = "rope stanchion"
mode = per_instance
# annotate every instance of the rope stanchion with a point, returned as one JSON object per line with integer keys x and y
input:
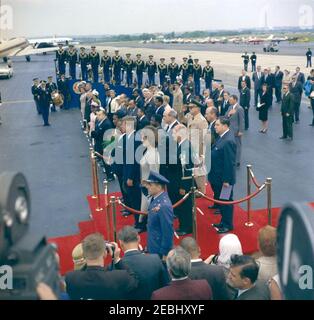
{"x": 257, "y": 185}
{"x": 114, "y": 217}
{"x": 248, "y": 223}
{"x": 95, "y": 180}
{"x": 107, "y": 207}
{"x": 269, "y": 211}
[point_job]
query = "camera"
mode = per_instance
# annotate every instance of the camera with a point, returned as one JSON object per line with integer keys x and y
{"x": 108, "y": 246}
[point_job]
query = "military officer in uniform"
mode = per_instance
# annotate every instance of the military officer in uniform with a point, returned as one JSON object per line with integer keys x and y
{"x": 151, "y": 68}
{"x": 197, "y": 73}
{"x": 128, "y": 68}
{"x": 173, "y": 70}
{"x": 246, "y": 59}
{"x": 72, "y": 60}
{"x": 117, "y": 64}
{"x": 160, "y": 216}
{"x": 253, "y": 59}
{"x": 163, "y": 71}
{"x": 63, "y": 88}
{"x": 35, "y": 93}
{"x": 105, "y": 63}
{"x": 185, "y": 70}
{"x": 61, "y": 56}
{"x": 139, "y": 68}
{"x": 51, "y": 87}
{"x": 83, "y": 60}
{"x": 44, "y": 102}
{"x": 208, "y": 75}
{"x": 94, "y": 60}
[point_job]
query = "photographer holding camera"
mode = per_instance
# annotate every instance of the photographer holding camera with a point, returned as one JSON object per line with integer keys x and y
{"x": 96, "y": 282}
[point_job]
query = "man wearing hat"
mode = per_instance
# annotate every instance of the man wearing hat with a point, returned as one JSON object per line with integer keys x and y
{"x": 173, "y": 69}
{"x": 128, "y": 67}
{"x": 197, "y": 73}
{"x": 83, "y": 60}
{"x": 160, "y": 216}
{"x": 94, "y": 60}
{"x": 61, "y": 57}
{"x": 106, "y": 64}
{"x": 139, "y": 68}
{"x": 63, "y": 87}
{"x": 151, "y": 67}
{"x": 35, "y": 93}
{"x": 208, "y": 75}
{"x": 72, "y": 60}
{"x": 185, "y": 70}
{"x": 117, "y": 64}
{"x": 44, "y": 102}
{"x": 51, "y": 87}
{"x": 163, "y": 71}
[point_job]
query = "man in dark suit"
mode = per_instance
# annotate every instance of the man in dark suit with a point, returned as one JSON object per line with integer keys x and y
{"x": 243, "y": 276}
{"x": 278, "y": 83}
{"x": 224, "y": 106}
{"x": 299, "y": 75}
{"x": 287, "y": 111}
{"x": 160, "y": 109}
{"x": 142, "y": 120}
{"x": 308, "y": 58}
{"x": 222, "y": 173}
{"x": 95, "y": 282}
{"x": 101, "y": 126}
{"x": 296, "y": 90}
{"x": 211, "y": 116}
{"x": 246, "y": 59}
{"x": 213, "y": 274}
{"x": 268, "y": 78}
{"x": 149, "y": 104}
{"x": 132, "y": 109}
{"x": 257, "y": 80}
{"x": 245, "y": 98}
{"x": 181, "y": 287}
{"x": 44, "y": 102}
{"x": 138, "y": 98}
{"x": 246, "y": 78}
{"x": 148, "y": 268}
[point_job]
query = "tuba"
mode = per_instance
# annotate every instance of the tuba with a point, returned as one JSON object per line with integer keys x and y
{"x": 57, "y": 98}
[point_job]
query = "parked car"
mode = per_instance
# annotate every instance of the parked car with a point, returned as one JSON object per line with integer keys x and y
{"x": 271, "y": 47}
{"x": 6, "y": 70}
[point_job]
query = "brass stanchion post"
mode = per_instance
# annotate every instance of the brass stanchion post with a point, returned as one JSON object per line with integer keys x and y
{"x": 95, "y": 180}
{"x": 248, "y": 223}
{"x": 107, "y": 208}
{"x": 194, "y": 211}
{"x": 269, "y": 204}
{"x": 114, "y": 217}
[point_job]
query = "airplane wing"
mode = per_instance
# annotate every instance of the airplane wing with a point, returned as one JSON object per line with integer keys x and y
{"x": 30, "y": 51}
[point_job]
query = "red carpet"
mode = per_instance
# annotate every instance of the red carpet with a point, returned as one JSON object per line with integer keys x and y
{"x": 208, "y": 239}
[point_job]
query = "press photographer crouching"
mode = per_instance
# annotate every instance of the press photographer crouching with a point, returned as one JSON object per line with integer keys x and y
{"x": 97, "y": 282}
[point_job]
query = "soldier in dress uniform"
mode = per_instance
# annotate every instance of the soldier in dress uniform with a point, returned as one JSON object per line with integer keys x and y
{"x": 160, "y": 216}
{"x": 106, "y": 65}
{"x": 44, "y": 102}
{"x": 128, "y": 68}
{"x": 139, "y": 68}
{"x": 163, "y": 71}
{"x": 72, "y": 60}
{"x": 190, "y": 61}
{"x": 94, "y": 60}
{"x": 246, "y": 59}
{"x": 151, "y": 68}
{"x": 173, "y": 70}
{"x": 253, "y": 59}
{"x": 208, "y": 75}
{"x": 83, "y": 60}
{"x": 117, "y": 64}
{"x": 35, "y": 93}
{"x": 61, "y": 56}
{"x": 197, "y": 73}
{"x": 63, "y": 88}
{"x": 51, "y": 87}
{"x": 185, "y": 70}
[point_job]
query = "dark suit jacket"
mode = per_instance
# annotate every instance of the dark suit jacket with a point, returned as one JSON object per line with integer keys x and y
{"x": 139, "y": 102}
{"x": 301, "y": 78}
{"x": 268, "y": 81}
{"x": 296, "y": 91}
{"x": 278, "y": 79}
{"x": 98, "y": 134}
{"x": 223, "y": 160}
{"x": 259, "y": 292}
{"x": 160, "y": 111}
{"x": 149, "y": 109}
{"x": 247, "y": 80}
{"x": 245, "y": 97}
{"x": 184, "y": 290}
{"x": 257, "y": 81}
{"x": 97, "y": 283}
{"x": 149, "y": 270}
{"x": 215, "y": 277}
{"x": 287, "y": 105}
{"x": 224, "y": 108}
{"x": 119, "y": 155}
{"x": 142, "y": 123}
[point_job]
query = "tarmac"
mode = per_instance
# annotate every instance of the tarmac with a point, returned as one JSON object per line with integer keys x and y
{"x": 55, "y": 159}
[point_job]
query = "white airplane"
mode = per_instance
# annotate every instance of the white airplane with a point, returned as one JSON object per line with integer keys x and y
{"x": 20, "y": 47}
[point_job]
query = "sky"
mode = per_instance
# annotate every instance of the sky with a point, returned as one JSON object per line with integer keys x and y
{"x": 36, "y": 18}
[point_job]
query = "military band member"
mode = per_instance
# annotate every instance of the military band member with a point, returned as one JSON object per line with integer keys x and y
{"x": 44, "y": 102}
{"x": 83, "y": 60}
{"x": 106, "y": 65}
{"x": 51, "y": 87}
{"x": 117, "y": 64}
{"x": 61, "y": 56}
{"x": 197, "y": 73}
{"x": 128, "y": 66}
{"x": 72, "y": 60}
{"x": 94, "y": 60}
{"x": 173, "y": 70}
{"x": 35, "y": 93}
{"x": 163, "y": 71}
{"x": 190, "y": 61}
{"x": 253, "y": 59}
{"x": 139, "y": 68}
{"x": 208, "y": 75}
{"x": 185, "y": 70}
{"x": 151, "y": 68}
{"x": 63, "y": 88}
{"x": 246, "y": 59}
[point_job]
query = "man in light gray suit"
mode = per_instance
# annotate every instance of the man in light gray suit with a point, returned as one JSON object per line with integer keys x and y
{"x": 257, "y": 80}
{"x": 235, "y": 114}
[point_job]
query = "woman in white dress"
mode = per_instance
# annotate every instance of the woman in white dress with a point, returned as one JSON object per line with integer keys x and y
{"x": 83, "y": 100}
{"x": 150, "y": 160}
